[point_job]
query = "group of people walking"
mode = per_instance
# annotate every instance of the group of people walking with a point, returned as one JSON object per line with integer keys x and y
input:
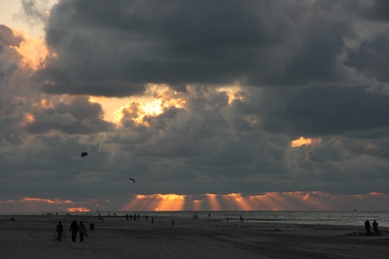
{"x": 74, "y": 228}
{"x": 375, "y": 228}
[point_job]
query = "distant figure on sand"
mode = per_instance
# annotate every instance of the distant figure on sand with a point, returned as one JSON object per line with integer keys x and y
{"x": 59, "y": 231}
{"x": 82, "y": 231}
{"x": 375, "y": 229}
{"x": 74, "y": 229}
{"x": 367, "y": 227}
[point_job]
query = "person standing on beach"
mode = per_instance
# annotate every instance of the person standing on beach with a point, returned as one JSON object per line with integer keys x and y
{"x": 367, "y": 227}
{"x": 82, "y": 231}
{"x": 74, "y": 229}
{"x": 59, "y": 231}
{"x": 375, "y": 228}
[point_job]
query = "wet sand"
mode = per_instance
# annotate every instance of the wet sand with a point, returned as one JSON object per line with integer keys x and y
{"x": 115, "y": 237}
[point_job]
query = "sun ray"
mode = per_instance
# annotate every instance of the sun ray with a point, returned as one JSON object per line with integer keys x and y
{"x": 238, "y": 201}
{"x": 213, "y": 202}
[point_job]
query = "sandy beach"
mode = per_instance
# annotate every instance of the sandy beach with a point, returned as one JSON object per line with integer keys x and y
{"x": 115, "y": 237}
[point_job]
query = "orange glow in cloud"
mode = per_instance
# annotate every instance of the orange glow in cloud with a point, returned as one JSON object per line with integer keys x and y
{"x": 238, "y": 201}
{"x": 157, "y": 202}
{"x": 170, "y": 202}
{"x": 55, "y": 201}
{"x": 28, "y": 118}
{"x": 32, "y": 204}
{"x": 45, "y": 103}
{"x": 34, "y": 51}
{"x": 300, "y": 199}
{"x": 233, "y": 93}
{"x": 156, "y": 99}
{"x": 300, "y": 142}
{"x": 78, "y": 210}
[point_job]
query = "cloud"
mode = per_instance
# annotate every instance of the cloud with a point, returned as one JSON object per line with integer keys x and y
{"x": 34, "y": 11}
{"x": 321, "y": 111}
{"x": 71, "y": 115}
{"x": 117, "y": 49}
{"x": 8, "y": 38}
{"x": 210, "y": 98}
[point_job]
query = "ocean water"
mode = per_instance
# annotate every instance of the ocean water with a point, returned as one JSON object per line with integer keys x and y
{"x": 345, "y": 218}
{"x": 350, "y": 218}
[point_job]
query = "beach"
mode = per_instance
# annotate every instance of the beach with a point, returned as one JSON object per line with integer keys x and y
{"x": 33, "y": 236}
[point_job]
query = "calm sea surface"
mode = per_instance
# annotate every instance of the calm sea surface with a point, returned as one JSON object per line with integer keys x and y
{"x": 351, "y": 218}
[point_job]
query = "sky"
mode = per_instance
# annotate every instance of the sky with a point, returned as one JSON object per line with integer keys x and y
{"x": 207, "y": 105}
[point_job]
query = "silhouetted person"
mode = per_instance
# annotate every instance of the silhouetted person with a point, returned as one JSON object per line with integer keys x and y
{"x": 367, "y": 227}
{"x": 74, "y": 229}
{"x": 127, "y": 216}
{"x": 59, "y": 231}
{"x": 375, "y": 228}
{"x": 82, "y": 231}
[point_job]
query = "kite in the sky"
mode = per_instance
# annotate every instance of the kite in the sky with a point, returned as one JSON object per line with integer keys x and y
{"x": 84, "y": 154}
{"x": 132, "y": 179}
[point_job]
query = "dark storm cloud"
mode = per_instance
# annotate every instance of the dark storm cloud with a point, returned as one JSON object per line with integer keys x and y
{"x": 304, "y": 52}
{"x": 115, "y": 49}
{"x": 372, "y": 57}
{"x": 10, "y": 76}
{"x": 8, "y": 38}
{"x": 321, "y": 111}
{"x": 377, "y": 10}
{"x": 78, "y": 116}
{"x": 9, "y": 58}
{"x": 34, "y": 11}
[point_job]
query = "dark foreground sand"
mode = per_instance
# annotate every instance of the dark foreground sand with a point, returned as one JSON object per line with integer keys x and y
{"x": 114, "y": 237}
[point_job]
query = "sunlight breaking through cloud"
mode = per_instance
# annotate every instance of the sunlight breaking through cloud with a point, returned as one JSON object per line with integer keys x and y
{"x": 269, "y": 201}
{"x": 236, "y": 201}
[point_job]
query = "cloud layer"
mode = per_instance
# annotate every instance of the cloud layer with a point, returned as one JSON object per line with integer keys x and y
{"x": 213, "y": 95}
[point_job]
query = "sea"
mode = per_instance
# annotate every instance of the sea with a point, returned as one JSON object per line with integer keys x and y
{"x": 341, "y": 218}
